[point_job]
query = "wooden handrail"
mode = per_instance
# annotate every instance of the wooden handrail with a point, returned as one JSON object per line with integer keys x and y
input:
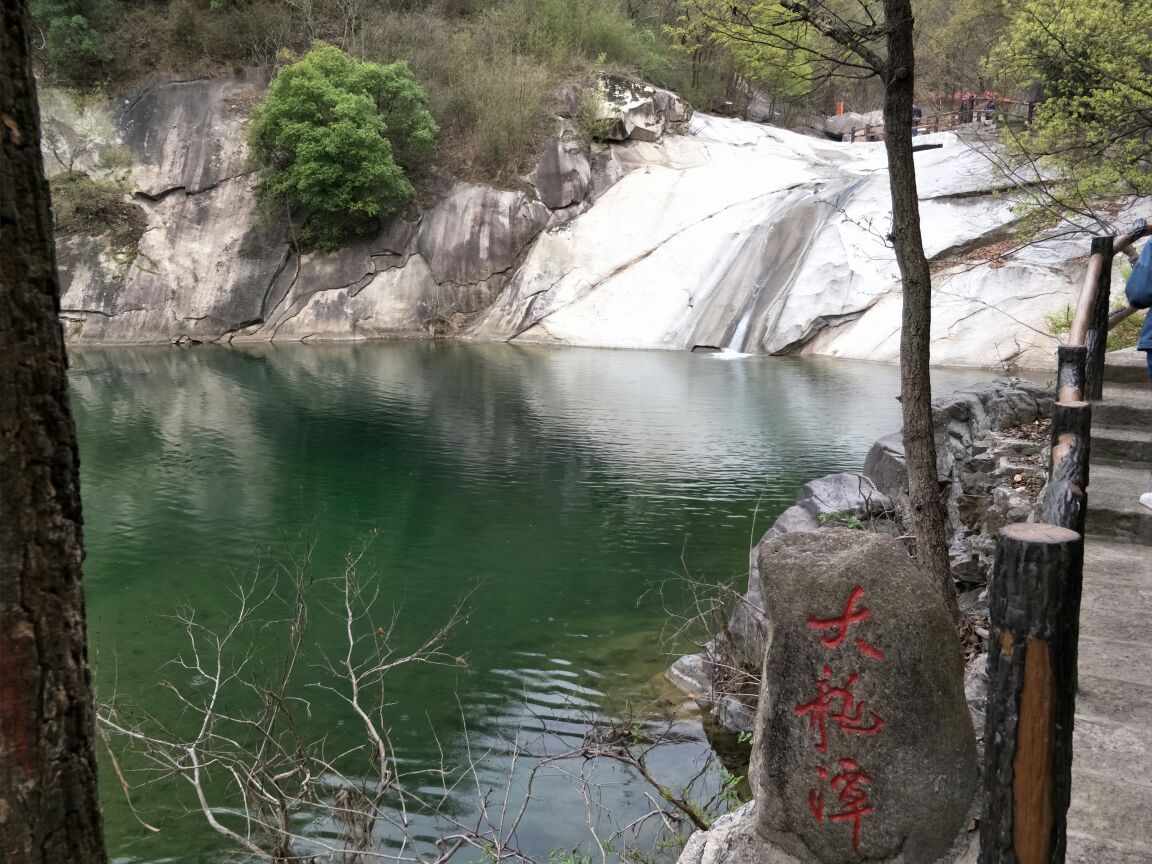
{"x": 1092, "y": 320}
{"x": 1082, "y": 320}
{"x": 1120, "y": 315}
{"x": 1034, "y": 599}
{"x": 944, "y": 121}
{"x": 1120, "y": 244}
{"x": 1125, "y": 240}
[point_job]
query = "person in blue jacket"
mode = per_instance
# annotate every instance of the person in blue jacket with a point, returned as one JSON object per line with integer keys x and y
{"x": 1139, "y": 291}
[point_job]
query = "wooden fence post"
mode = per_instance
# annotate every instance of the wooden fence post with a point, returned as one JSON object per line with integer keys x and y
{"x": 1071, "y": 360}
{"x": 1096, "y": 339}
{"x": 1034, "y": 599}
{"x": 1066, "y": 496}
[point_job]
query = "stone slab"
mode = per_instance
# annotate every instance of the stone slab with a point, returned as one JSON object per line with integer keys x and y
{"x": 1086, "y": 849}
{"x": 1112, "y": 696}
{"x": 1125, "y": 407}
{"x": 1124, "y": 446}
{"x": 1103, "y": 807}
{"x": 1127, "y": 366}
{"x": 865, "y": 748}
{"x": 1110, "y": 817}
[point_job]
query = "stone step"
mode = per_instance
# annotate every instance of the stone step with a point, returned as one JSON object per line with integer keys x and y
{"x": 1110, "y": 818}
{"x": 1110, "y": 564}
{"x": 1125, "y": 406}
{"x": 1115, "y": 581}
{"x": 1128, "y": 365}
{"x": 1122, "y": 446}
{"x": 1105, "y": 695}
{"x": 1113, "y": 747}
{"x": 1114, "y": 508}
{"x": 1108, "y": 808}
{"x": 1089, "y": 849}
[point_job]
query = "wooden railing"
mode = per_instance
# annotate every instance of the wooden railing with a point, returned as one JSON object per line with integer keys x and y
{"x": 970, "y": 111}
{"x": 1034, "y": 603}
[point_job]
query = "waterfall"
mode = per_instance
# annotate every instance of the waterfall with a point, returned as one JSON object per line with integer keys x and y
{"x": 735, "y": 345}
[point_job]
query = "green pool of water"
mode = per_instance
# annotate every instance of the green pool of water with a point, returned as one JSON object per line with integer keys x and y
{"x": 563, "y": 492}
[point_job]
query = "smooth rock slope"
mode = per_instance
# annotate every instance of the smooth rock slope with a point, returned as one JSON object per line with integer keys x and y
{"x": 692, "y": 232}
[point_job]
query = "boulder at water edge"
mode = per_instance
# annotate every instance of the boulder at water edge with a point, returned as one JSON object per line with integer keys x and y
{"x": 864, "y": 747}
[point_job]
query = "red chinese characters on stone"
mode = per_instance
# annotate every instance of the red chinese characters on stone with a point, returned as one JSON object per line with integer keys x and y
{"x": 851, "y": 797}
{"x": 838, "y": 706}
{"x": 839, "y": 626}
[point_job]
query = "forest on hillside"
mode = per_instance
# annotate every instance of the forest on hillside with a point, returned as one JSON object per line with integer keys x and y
{"x": 490, "y": 66}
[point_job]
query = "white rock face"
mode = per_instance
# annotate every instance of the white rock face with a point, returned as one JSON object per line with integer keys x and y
{"x": 753, "y": 239}
{"x": 633, "y": 110}
{"x": 736, "y": 236}
{"x": 182, "y": 281}
{"x": 189, "y": 135}
{"x": 397, "y": 302}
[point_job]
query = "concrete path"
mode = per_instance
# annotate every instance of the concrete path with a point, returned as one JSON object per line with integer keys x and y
{"x": 1110, "y": 821}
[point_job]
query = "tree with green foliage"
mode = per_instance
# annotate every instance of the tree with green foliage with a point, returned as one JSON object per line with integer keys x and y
{"x": 873, "y": 39}
{"x": 1093, "y": 129}
{"x": 952, "y": 40}
{"x": 781, "y": 67}
{"x": 74, "y": 37}
{"x": 335, "y": 134}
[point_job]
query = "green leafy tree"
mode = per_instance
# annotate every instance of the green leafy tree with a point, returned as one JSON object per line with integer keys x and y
{"x": 781, "y": 66}
{"x": 74, "y": 36}
{"x": 335, "y": 133}
{"x": 952, "y": 40}
{"x": 1094, "y": 127}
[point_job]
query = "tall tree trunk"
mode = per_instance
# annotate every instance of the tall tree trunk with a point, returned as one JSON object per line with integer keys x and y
{"x": 915, "y": 384}
{"x": 49, "y": 813}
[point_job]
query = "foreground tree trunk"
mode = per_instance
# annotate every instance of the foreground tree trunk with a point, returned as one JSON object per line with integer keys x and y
{"x": 896, "y": 67}
{"x": 928, "y": 521}
{"x": 49, "y": 812}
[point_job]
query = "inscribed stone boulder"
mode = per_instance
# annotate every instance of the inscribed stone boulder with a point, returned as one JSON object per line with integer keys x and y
{"x": 865, "y": 749}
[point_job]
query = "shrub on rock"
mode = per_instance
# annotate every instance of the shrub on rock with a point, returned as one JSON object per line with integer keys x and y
{"x": 335, "y": 133}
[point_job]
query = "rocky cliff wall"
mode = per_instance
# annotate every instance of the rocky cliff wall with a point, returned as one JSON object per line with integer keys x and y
{"x": 688, "y": 232}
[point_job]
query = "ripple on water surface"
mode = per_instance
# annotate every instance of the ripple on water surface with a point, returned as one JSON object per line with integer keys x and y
{"x": 561, "y": 491}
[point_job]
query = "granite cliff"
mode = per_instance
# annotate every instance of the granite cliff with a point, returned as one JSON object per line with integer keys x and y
{"x": 683, "y": 232}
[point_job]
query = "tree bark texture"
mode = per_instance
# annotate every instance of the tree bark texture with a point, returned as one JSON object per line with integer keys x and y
{"x": 1096, "y": 340}
{"x": 49, "y": 812}
{"x": 1066, "y": 495}
{"x": 1072, "y": 363}
{"x": 1034, "y": 603}
{"x": 928, "y": 522}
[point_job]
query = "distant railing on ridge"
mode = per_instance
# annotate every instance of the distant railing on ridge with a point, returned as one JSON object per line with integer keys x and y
{"x": 972, "y": 110}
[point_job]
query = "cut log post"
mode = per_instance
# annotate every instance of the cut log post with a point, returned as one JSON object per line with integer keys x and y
{"x": 1096, "y": 340}
{"x": 1070, "y": 372}
{"x": 1034, "y": 600}
{"x": 1066, "y": 496}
